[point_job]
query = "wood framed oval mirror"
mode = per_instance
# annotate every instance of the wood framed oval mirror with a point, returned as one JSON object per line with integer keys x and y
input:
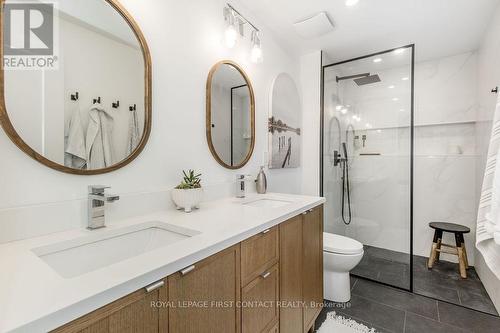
{"x": 230, "y": 119}
{"x": 84, "y": 104}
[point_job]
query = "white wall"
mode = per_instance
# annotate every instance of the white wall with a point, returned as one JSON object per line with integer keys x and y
{"x": 310, "y": 65}
{"x": 488, "y": 78}
{"x": 185, "y": 41}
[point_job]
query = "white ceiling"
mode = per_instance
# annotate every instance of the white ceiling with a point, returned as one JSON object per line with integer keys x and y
{"x": 437, "y": 27}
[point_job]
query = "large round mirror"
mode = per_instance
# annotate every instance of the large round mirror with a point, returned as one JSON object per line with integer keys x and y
{"x": 230, "y": 115}
{"x": 76, "y": 84}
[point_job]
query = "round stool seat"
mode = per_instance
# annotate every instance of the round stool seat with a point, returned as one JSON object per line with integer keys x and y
{"x": 449, "y": 227}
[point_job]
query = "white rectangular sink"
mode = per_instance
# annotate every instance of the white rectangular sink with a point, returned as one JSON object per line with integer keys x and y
{"x": 86, "y": 254}
{"x": 267, "y": 203}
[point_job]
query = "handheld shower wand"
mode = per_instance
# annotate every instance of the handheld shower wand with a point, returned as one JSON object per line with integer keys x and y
{"x": 346, "y": 186}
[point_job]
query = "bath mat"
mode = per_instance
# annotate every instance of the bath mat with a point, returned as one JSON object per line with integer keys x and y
{"x": 338, "y": 324}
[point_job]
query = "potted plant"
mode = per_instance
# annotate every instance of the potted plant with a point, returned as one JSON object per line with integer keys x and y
{"x": 189, "y": 193}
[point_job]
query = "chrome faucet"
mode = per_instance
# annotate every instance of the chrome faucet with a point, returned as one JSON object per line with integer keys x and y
{"x": 240, "y": 185}
{"x": 97, "y": 206}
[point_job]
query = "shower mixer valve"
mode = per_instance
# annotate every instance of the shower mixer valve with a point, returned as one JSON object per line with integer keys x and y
{"x": 337, "y": 158}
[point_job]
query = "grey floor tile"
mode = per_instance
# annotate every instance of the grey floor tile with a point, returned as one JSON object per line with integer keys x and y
{"x": 378, "y": 314}
{"x": 387, "y": 254}
{"x": 418, "y": 324}
{"x": 399, "y": 299}
{"x": 396, "y": 279}
{"x": 469, "y": 320}
{"x": 477, "y": 302}
{"x": 442, "y": 282}
{"x": 435, "y": 291}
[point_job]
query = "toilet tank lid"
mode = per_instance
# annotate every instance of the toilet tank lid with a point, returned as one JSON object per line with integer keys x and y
{"x": 341, "y": 244}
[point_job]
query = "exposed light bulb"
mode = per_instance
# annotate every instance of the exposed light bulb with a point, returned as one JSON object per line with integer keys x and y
{"x": 257, "y": 55}
{"x": 351, "y": 3}
{"x": 230, "y": 36}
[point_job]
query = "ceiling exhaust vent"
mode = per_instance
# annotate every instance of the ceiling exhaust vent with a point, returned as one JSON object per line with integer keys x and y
{"x": 315, "y": 26}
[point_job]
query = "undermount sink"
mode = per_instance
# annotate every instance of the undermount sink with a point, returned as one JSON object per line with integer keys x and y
{"x": 86, "y": 254}
{"x": 267, "y": 203}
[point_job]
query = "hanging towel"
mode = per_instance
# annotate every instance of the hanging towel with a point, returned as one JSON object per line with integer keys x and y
{"x": 99, "y": 141}
{"x": 488, "y": 219}
{"x": 75, "y": 151}
{"x": 133, "y": 133}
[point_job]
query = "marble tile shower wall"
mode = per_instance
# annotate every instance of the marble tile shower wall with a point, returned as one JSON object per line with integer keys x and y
{"x": 445, "y": 156}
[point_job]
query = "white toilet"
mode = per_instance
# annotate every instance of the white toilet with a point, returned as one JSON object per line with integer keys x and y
{"x": 340, "y": 255}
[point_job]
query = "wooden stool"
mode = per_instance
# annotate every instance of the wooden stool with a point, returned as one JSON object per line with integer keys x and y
{"x": 458, "y": 250}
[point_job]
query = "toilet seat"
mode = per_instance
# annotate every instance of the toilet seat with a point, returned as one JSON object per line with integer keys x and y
{"x": 341, "y": 245}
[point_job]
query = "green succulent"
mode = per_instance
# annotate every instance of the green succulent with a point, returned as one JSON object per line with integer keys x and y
{"x": 190, "y": 181}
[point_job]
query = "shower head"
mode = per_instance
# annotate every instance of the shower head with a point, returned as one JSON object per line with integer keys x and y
{"x": 361, "y": 79}
{"x": 367, "y": 80}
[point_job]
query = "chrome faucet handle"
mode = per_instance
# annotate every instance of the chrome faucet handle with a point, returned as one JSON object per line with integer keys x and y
{"x": 243, "y": 177}
{"x": 97, "y": 189}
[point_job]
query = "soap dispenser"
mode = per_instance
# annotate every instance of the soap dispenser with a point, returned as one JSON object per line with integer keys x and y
{"x": 261, "y": 181}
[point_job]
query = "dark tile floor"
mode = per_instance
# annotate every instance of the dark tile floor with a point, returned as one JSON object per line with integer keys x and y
{"x": 443, "y": 282}
{"x": 391, "y": 310}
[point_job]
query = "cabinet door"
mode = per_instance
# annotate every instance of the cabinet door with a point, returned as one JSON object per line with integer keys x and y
{"x": 291, "y": 275}
{"x": 204, "y": 298}
{"x": 260, "y": 302}
{"x": 130, "y": 314}
{"x": 258, "y": 253}
{"x": 312, "y": 284}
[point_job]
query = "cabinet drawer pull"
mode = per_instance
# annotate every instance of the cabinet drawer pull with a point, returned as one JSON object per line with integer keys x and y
{"x": 154, "y": 286}
{"x": 265, "y": 275}
{"x": 266, "y": 231}
{"x": 187, "y": 270}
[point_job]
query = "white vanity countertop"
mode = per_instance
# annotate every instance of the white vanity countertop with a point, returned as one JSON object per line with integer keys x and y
{"x": 34, "y": 298}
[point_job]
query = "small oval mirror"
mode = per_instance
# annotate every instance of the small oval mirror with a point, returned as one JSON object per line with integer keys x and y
{"x": 230, "y": 123}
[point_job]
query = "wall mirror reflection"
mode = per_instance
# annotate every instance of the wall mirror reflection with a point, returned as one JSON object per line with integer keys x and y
{"x": 230, "y": 115}
{"x": 90, "y": 113}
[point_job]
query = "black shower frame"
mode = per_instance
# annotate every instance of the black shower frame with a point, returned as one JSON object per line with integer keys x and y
{"x": 412, "y": 142}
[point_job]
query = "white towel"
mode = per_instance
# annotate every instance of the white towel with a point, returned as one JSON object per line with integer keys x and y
{"x": 99, "y": 138}
{"x": 488, "y": 219}
{"x": 75, "y": 151}
{"x": 133, "y": 133}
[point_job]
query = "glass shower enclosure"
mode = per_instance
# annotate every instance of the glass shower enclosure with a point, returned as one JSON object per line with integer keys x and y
{"x": 367, "y": 145}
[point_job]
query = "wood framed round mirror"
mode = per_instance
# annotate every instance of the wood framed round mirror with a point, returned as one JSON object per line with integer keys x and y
{"x": 84, "y": 107}
{"x": 230, "y": 118}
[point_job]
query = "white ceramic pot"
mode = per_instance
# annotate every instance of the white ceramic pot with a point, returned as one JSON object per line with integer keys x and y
{"x": 187, "y": 199}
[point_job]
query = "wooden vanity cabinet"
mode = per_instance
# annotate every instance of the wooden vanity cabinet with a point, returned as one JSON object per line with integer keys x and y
{"x": 291, "y": 275}
{"x": 260, "y": 281}
{"x": 204, "y": 297}
{"x": 301, "y": 269}
{"x": 312, "y": 258}
{"x": 130, "y": 314}
{"x": 235, "y": 290}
